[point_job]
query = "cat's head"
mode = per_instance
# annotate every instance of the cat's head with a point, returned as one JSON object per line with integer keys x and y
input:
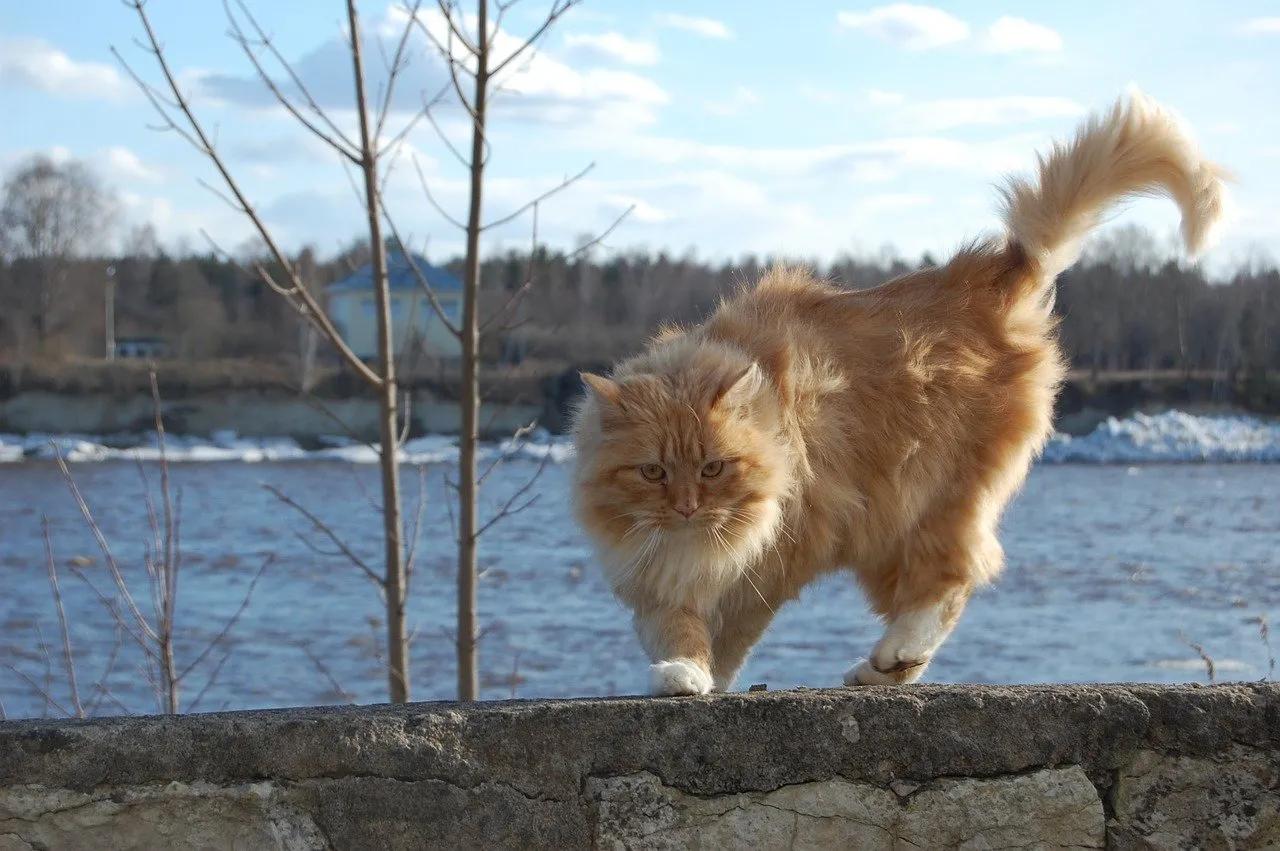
{"x": 679, "y": 458}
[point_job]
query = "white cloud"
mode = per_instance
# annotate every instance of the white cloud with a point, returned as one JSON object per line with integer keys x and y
{"x": 1018, "y": 35}
{"x": 948, "y": 113}
{"x": 739, "y": 100}
{"x": 612, "y": 47}
{"x": 123, "y": 164}
{"x": 1260, "y": 26}
{"x": 880, "y": 97}
{"x": 33, "y": 63}
{"x": 908, "y": 25}
{"x": 705, "y": 27}
{"x": 538, "y": 88}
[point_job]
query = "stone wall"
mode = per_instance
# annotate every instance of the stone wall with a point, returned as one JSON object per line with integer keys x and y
{"x": 924, "y": 767}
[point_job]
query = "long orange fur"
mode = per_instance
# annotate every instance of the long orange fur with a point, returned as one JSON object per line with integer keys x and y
{"x": 805, "y": 429}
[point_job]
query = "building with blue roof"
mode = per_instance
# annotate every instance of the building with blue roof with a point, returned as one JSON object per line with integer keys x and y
{"x": 354, "y": 311}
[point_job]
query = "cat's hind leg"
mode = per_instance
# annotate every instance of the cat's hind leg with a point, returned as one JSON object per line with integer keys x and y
{"x": 939, "y": 567}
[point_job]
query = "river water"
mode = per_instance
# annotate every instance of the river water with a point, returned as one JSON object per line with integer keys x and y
{"x": 1112, "y": 572}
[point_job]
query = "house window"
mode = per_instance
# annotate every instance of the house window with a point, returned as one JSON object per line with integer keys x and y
{"x": 370, "y": 307}
{"x": 397, "y": 308}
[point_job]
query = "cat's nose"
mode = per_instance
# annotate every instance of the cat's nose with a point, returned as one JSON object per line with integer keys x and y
{"x": 686, "y": 509}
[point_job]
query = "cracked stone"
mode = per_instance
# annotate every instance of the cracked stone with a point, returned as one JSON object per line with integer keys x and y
{"x": 1048, "y": 809}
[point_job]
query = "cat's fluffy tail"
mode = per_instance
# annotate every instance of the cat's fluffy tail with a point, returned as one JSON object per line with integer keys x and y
{"x": 1135, "y": 148}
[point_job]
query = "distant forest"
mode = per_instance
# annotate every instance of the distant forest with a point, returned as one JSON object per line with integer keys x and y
{"x": 1124, "y": 307}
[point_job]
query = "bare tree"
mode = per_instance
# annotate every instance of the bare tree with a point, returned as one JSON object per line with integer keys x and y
{"x": 365, "y": 152}
{"x": 51, "y": 214}
{"x": 468, "y": 52}
{"x": 155, "y": 634}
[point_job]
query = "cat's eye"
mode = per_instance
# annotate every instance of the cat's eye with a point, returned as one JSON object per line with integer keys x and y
{"x": 711, "y": 469}
{"x": 653, "y": 472}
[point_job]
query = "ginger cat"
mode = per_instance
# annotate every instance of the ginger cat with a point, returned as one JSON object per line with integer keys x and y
{"x": 804, "y": 429}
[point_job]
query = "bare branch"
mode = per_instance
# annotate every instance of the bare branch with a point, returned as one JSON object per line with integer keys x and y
{"x": 446, "y": 9}
{"x": 421, "y": 277}
{"x": 557, "y": 9}
{"x": 112, "y": 566}
{"x": 452, "y": 65}
{"x": 101, "y": 687}
{"x": 68, "y": 657}
{"x": 213, "y": 678}
{"x": 306, "y": 303}
{"x": 326, "y": 530}
{"x": 563, "y": 185}
{"x": 334, "y": 138}
{"x": 231, "y": 621}
{"x": 520, "y": 292}
{"x": 398, "y": 63}
{"x": 415, "y": 536}
{"x": 327, "y": 674}
{"x": 509, "y": 507}
{"x": 43, "y": 693}
{"x": 426, "y": 190}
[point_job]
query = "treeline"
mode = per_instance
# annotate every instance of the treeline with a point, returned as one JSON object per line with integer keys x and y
{"x": 1124, "y": 307}
{"x": 1116, "y": 314}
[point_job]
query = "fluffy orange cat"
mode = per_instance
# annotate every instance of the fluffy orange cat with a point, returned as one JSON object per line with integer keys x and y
{"x": 805, "y": 429}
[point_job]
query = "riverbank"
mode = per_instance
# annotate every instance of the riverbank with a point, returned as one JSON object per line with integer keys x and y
{"x": 266, "y": 400}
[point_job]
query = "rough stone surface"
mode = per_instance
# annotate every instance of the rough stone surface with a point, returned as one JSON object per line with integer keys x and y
{"x": 1057, "y": 808}
{"x": 974, "y": 767}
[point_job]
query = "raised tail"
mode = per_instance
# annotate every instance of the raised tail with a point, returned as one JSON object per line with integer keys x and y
{"x": 1136, "y": 148}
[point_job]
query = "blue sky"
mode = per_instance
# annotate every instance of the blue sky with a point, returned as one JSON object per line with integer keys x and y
{"x": 807, "y": 130}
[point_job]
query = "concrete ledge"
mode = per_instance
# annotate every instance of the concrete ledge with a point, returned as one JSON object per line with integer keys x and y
{"x": 933, "y": 766}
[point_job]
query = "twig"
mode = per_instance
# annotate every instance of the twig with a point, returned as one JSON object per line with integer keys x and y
{"x": 231, "y": 622}
{"x": 1210, "y": 668}
{"x": 49, "y": 699}
{"x": 426, "y": 190}
{"x": 335, "y": 139}
{"x": 509, "y": 507}
{"x": 532, "y": 205}
{"x": 1264, "y": 632}
{"x": 326, "y": 530}
{"x": 327, "y": 674}
{"x": 68, "y": 657}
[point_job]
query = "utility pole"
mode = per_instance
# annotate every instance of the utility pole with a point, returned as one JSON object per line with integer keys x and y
{"x": 110, "y": 318}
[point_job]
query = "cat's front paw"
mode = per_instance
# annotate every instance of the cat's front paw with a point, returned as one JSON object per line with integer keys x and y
{"x": 678, "y": 676}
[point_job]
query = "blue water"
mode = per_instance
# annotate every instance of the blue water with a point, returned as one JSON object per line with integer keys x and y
{"x": 1111, "y": 570}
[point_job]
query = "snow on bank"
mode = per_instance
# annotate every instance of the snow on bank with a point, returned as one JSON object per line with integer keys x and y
{"x": 1168, "y": 437}
{"x": 228, "y": 446}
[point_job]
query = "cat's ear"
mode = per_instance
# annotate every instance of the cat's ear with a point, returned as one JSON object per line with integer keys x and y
{"x": 605, "y": 389}
{"x": 738, "y": 388}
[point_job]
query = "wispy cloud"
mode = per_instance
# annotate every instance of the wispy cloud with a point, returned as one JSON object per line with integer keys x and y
{"x": 611, "y": 47}
{"x": 737, "y": 101}
{"x": 1260, "y": 26}
{"x": 1018, "y": 35}
{"x": 543, "y": 89}
{"x": 34, "y": 63}
{"x": 705, "y": 27}
{"x": 908, "y": 25}
{"x": 123, "y": 164}
{"x": 949, "y": 113}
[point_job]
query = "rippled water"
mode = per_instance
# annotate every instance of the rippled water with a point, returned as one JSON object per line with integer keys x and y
{"x": 1110, "y": 571}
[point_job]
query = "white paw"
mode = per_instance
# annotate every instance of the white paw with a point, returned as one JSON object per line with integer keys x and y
{"x": 678, "y": 676}
{"x": 865, "y": 674}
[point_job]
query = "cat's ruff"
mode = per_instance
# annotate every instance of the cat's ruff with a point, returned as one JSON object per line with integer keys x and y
{"x": 804, "y": 429}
